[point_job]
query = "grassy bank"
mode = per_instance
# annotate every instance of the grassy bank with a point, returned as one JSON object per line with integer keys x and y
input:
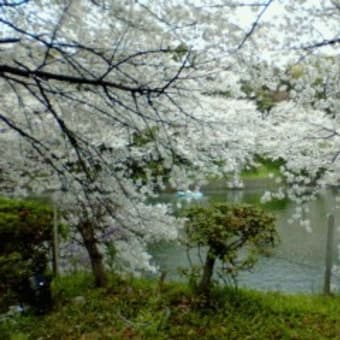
{"x": 140, "y": 309}
{"x": 265, "y": 169}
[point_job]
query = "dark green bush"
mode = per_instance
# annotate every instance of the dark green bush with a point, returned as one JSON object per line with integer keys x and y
{"x": 25, "y": 234}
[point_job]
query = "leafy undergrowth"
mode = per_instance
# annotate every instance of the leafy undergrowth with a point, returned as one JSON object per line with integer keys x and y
{"x": 141, "y": 309}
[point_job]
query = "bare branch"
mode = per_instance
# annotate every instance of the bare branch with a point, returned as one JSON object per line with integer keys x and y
{"x": 6, "y": 3}
{"x": 9, "y": 40}
{"x": 27, "y": 73}
{"x": 330, "y": 42}
{"x": 255, "y": 24}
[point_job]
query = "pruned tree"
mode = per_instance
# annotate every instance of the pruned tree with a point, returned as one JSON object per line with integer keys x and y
{"x": 234, "y": 236}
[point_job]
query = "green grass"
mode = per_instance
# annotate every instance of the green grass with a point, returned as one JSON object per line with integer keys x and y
{"x": 265, "y": 168}
{"x": 273, "y": 205}
{"x": 142, "y": 309}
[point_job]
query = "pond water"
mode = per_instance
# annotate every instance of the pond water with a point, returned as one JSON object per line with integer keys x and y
{"x": 297, "y": 264}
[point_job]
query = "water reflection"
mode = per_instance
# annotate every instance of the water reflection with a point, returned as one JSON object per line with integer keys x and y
{"x": 297, "y": 264}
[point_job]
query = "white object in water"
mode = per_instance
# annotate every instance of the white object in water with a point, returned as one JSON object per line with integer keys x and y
{"x": 189, "y": 194}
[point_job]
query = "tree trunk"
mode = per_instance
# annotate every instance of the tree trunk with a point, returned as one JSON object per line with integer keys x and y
{"x": 208, "y": 269}
{"x": 96, "y": 258}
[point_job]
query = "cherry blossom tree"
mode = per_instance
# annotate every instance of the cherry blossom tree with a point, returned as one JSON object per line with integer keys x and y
{"x": 113, "y": 102}
{"x": 302, "y": 113}
{"x": 97, "y": 106}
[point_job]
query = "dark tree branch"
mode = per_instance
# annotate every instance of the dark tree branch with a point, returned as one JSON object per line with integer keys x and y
{"x": 27, "y": 73}
{"x": 255, "y": 24}
{"x": 6, "y": 3}
{"x": 9, "y": 40}
{"x": 54, "y": 35}
{"x": 330, "y": 42}
{"x": 39, "y": 147}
